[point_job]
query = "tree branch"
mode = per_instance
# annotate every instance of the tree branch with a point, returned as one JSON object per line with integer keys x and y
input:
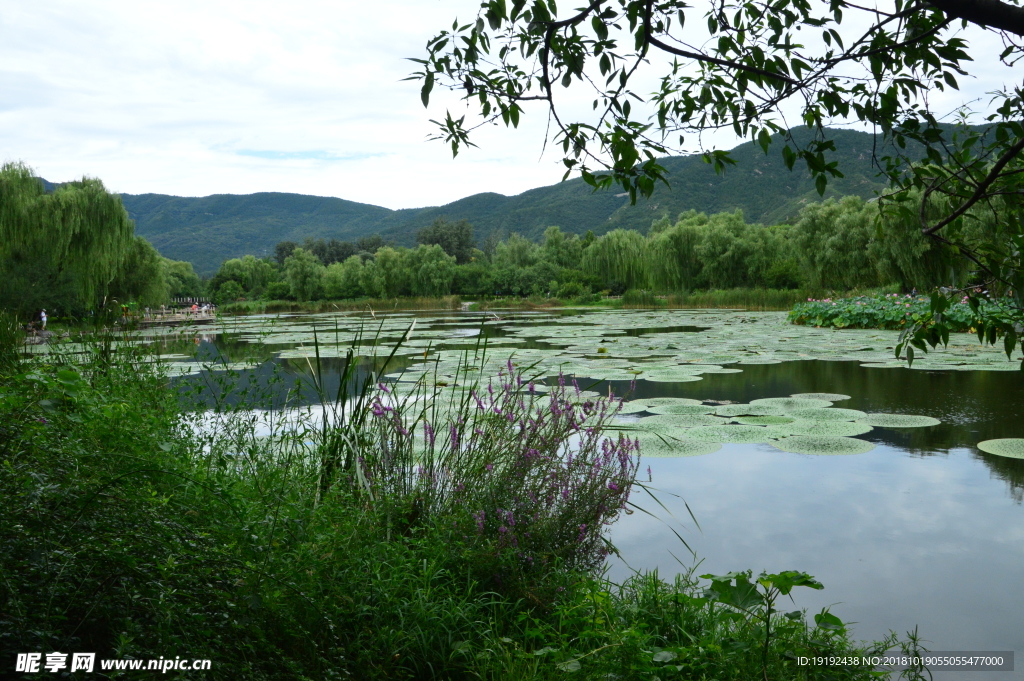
{"x": 979, "y": 193}
{"x": 990, "y": 13}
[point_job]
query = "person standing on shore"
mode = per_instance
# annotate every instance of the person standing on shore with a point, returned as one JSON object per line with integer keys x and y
{"x": 42, "y": 318}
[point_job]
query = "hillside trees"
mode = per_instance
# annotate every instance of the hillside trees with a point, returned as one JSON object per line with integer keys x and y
{"x": 456, "y": 238}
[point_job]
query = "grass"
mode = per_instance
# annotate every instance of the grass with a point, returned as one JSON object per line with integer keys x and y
{"x": 375, "y": 539}
{"x": 743, "y": 298}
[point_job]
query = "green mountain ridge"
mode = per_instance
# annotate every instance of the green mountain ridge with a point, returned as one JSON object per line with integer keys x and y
{"x": 207, "y": 230}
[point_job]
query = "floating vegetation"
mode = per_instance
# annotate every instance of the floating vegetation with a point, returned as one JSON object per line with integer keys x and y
{"x": 749, "y": 410}
{"x": 899, "y": 421}
{"x": 735, "y": 433}
{"x": 676, "y": 421}
{"x": 764, "y": 420}
{"x": 792, "y": 403}
{"x": 827, "y": 414}
{"x": 667, "y": 401}
{"x": 826, "y": 428}
{"x": 823, "y": 445}
{"x": 661, "y": 446}
{"x": 1010, "y": 447}
{"x": 828, "y": 397}
{"x": 681, "y": 409}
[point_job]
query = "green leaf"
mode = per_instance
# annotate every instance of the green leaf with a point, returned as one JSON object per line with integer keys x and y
{"x": 826, "y": 620}
{"x": 428, "y": 85}
{"x": 569, "y": 666}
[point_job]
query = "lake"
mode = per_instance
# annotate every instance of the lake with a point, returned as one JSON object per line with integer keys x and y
{"x": 923, "y": 530}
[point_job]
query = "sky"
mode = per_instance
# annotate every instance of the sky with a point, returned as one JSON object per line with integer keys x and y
{"x": 220, "y": 96}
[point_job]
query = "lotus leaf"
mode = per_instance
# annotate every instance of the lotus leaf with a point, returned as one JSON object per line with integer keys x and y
{"x": 662, "y": 447}
{"x": 673, "y": 421}
{"x": 764, "y": 420}
{"x": 1011, "y": 447}
{"x": 749, "y": 410}
{"x": 665, "y": 401}
{"x": 729, "y": 433}
{"x": 823, "y": 445}
{"x": 792, "y": 403}
{"x": 828, "y": 428}
{"x": 827, "y": 414}
{"x": 681, "y": 409}
{"x": 899, "y": 421}
{"x": 828, "y": 397}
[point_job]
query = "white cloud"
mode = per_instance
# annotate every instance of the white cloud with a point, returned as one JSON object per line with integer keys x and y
{"x": 195, "y": 98}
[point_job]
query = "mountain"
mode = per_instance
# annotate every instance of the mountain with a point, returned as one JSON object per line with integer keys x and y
{"x": 207, "y": 230}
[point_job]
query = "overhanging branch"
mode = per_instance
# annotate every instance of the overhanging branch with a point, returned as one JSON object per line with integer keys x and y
{"x": 990, "y": 13}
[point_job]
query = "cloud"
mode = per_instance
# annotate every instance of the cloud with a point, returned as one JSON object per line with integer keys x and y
{"x": 304, "y": 155}
{"x": 200, "y": 97}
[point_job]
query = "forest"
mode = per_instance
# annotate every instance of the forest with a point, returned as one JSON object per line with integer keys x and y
{"x": 72, "y": 249}
{"x": 835, "y": 245}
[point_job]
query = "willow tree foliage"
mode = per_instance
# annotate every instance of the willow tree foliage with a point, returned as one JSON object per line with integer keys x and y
{"x": 431, "y": 271}
{"x": 342, "y": 279}
{"x": 141, "y": 276}
{"x": 618, "y": 256}
{"x": 660, "y": 73}
{"x": 304, "y": 274}
{"x": 79, "y": 234}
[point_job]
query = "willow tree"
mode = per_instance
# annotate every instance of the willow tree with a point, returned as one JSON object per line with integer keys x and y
{"x": 78, "y": 234}
{"x": 618, "y": 256}
{"x": 142, "y": 276}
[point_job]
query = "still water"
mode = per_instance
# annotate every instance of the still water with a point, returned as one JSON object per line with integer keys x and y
{"x": 923, "y": 531}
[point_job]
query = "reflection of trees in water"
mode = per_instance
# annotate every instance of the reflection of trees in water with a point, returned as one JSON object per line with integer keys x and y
{"x": 1010, "y": 471}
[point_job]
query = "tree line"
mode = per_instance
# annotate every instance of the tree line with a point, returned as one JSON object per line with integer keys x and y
{"x": 70, "y": 250}
{"x": 833, "y": 245}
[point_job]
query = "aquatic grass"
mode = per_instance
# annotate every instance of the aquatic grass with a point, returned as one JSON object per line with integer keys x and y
{"x": 744, "y": 298}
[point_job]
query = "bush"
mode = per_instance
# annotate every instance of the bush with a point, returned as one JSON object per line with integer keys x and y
{"x": 639, "y": 298}
{"x": 278, "y": 290}
{"x": 892, "y": 311}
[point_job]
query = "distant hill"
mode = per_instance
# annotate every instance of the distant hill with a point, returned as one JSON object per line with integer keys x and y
{"x": 207, "y": 230}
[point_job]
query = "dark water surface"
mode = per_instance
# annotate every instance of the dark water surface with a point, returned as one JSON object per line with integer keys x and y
{"x": 924, "y": 531}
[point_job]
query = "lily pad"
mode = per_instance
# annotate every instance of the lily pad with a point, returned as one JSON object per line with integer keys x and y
{"x": 1011, "y": 447}
{"x": 681, "y": 409}
{"x": 749, "y": 410}
{"x": 632, "y": 407}
{"x": 652, "y": 445}
{"x": 828, "y": 397}
{"x": 665, "y": 401}
{"x": 899, "y": 421}
{"x": 827, "y": 414}
{"x": 823, "y": 445}
{"x": 764, "y": 420}
{"x": 729, "y": 433}
{"x": 790, "y": 404}
{"x": 663, "y": 421}
{"x": 826, "y": 428}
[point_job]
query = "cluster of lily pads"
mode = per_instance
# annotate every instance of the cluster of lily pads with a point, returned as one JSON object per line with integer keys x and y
{"x": 670, "y": 346}
{"x": 805, "y": 423}
{"x": 653, "y": 345}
